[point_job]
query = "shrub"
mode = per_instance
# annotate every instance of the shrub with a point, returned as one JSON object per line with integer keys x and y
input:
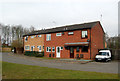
{"x": 34, "y": 53}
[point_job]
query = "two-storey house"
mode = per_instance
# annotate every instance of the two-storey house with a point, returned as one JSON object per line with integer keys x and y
{"x": 79, "y": 40}
{"x": 33, "y": 42}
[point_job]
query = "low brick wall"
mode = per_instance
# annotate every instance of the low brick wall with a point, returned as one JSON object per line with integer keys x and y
{"x": 6, "y": 49}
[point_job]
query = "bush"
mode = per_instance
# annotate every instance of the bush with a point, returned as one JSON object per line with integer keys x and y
{"x": 34, "y": 53}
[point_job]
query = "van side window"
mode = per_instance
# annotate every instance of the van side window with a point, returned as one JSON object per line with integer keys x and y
{"x": 107, "y": 54}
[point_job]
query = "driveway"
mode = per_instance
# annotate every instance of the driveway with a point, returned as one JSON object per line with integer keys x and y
{"x": 109, "y": 67}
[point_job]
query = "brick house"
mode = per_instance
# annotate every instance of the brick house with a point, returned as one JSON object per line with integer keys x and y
{"x": 33, "y": 42}
{"x": 79, "y": 40}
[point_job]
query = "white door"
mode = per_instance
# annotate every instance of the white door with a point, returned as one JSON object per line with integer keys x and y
{"x": 58, "y": 52}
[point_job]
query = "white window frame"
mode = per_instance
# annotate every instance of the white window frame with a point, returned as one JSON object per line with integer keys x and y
{"x": 32, "y": 36}
{"x": 48, "y": 37}
{"x": 33, "y": 47}
{"x": 39, "y": 35}
{"x": 26, "y": 38}
{"x": 53, "y": 48}
{"x": 49, "y": 48}
{"x": 28, "y": 48}
{"x": 58, "y": 34}
{"x": 40, "y": 48}
{"x": 61, "y": 48}
{"x": 85, "y": 32}
{"x": 43, "y": 48}
{"x": 70, "y": 33}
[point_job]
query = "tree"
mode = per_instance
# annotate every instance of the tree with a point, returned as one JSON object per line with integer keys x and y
{"x": 32, "y": 29}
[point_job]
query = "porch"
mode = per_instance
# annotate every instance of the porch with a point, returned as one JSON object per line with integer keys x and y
{"x": 78, "y": 50}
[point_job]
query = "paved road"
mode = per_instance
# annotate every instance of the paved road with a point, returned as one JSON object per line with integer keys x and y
{"x": 109, "y": 67}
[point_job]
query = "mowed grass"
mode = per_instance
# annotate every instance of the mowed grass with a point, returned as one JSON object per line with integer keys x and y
{"x": 20, "y": 71}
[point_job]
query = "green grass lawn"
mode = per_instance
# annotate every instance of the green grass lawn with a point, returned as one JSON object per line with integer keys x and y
{"x": 19, "y": 71}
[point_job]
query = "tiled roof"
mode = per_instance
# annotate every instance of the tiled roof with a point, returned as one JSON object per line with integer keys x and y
{"x": 65, "y": 28}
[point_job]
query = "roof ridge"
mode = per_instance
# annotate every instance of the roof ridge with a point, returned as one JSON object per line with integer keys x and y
{"x": 65, "y": 28}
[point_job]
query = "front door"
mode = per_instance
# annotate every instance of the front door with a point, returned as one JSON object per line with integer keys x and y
{"x": 71, "y": 52}
{"x": 58, "y": 52}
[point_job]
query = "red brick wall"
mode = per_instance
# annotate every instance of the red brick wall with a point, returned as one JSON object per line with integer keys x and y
{"x": 97, "y": 35}
{"x": 61, "y": 40}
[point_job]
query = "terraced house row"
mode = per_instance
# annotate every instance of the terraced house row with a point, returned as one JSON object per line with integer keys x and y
{"x": 79, "y": 40}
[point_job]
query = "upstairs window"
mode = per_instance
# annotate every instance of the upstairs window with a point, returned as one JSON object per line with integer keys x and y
{"x": 39, "y": 35}
{"x": 84, "y": 34}
{"x": 32, "y": 36}
{"x": 26, "y": 39}
{"x": 58, "y": 34}
{"x": 70, "y": 33}
{"x": 48, "y": 37}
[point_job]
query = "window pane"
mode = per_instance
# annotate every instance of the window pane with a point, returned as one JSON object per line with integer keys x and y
{"x": 39, "y": 35}
{"x": 84, "y": 34}
{"x": 61, "y": 48}
{"x": 43, "y": 47}
{"x": 26, "y": 38}
{"x": 53, "y": 49}
{"x": 77, "y": 50}
{"x": 32, "y": 36}
{"x": 27, "y": 47}
{"x": 58, "y": 49}
{"x": 48, "y": 37}
{"x": 39, "y": 47}
{"x": 49, "y": 49}
{"x": 58, "y": 34}
{"x": 70, "y": 33}
{"x": 84, "y": 48}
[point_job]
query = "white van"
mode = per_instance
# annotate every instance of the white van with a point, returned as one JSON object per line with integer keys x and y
{"x": 104, "y": 55}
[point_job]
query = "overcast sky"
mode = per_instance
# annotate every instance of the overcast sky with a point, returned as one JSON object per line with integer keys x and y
{"x": 54, "y": 13}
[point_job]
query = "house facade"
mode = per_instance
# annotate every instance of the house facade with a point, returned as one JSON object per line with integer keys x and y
{"x": 73, "y": 41}
{"x": 34, "y": 42}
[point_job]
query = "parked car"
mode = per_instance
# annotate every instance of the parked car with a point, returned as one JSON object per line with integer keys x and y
{"x": 104, "y": 55}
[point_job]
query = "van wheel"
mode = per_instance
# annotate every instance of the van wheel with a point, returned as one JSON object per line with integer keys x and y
{"x": 106, "y": 60}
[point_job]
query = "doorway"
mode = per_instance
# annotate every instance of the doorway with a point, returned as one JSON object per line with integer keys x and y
{"x": 71, "y": 52}
{"x": 58, "y": 52}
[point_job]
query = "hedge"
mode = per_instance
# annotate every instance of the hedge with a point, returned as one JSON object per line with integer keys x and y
{"x": 34, "y": 53}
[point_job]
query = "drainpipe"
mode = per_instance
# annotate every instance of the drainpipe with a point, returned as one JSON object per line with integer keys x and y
{"x": 90, "y": 43}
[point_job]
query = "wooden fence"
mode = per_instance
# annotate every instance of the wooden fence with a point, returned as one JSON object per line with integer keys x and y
{"x": 115, "y": 54}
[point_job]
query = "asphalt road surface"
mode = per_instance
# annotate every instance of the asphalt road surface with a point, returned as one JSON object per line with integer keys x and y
{"x": 108, "y": 67}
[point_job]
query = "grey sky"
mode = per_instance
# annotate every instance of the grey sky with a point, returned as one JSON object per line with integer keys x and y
{"x": 54, "y": 13}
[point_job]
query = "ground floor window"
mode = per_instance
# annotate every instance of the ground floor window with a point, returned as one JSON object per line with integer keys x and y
{"x": 32, "y": 47}
{"x": 27, "y": 47}
{"x": 53, "y": 49}
{"x": 84, "y": 48}
{"x": 77, "y": 49}
{"x": 48, "y": 49}
{"x": 43, "y": 47}
{"x": 61, "y": 48}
